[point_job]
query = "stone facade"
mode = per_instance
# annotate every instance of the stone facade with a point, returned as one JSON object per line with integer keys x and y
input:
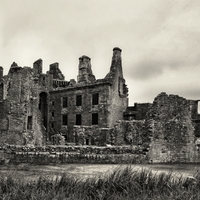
{"x": 36, "y": 106}
{"x": 88, "y": 102}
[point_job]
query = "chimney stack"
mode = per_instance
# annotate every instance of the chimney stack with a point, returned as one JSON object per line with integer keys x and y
{"x": 85, "y": 74}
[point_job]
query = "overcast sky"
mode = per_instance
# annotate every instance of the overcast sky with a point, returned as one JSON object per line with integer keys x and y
{"x": 160, "y": 40}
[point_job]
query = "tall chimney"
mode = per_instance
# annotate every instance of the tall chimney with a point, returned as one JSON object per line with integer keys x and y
{"x": 85, "y": 74}
{"x": 116, "y": 64}
{"x": 116, "y": 60}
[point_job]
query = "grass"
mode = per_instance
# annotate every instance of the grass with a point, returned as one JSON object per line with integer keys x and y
{"x": 122, "y": 183}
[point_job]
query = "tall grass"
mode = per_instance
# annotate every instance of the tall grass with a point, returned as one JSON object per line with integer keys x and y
{"x": 122, "y": 183}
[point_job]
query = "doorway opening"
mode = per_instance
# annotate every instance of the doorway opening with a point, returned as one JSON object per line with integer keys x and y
{"x": 43, "y": 107}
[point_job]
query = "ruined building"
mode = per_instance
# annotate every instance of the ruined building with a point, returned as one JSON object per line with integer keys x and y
{"x": 36, "y": 106}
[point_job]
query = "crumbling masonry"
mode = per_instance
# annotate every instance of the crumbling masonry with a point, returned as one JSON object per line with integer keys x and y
{"x": 39, "y": 109}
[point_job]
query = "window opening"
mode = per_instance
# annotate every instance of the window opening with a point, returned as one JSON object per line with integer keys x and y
{"x": 65, "y": 120}
{"x": 43, "y": 106}
{"x": 94, "y": 118}
{"x": 65, "y": 102}
{"x": 95, "y": 99}
{"x": 52, "y": 125}
{"x": 52, "y": 114}
{"x": 78, "y": 100}
{"x": 87, "y": 141}
{"x": 78, "y": 119}
{"x": 52, "y": 103}
{"x": 65, "y": 136}
{"x": 29, "y": 123}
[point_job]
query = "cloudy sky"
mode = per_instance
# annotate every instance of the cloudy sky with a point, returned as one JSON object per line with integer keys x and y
{"x": 160, "y": 40}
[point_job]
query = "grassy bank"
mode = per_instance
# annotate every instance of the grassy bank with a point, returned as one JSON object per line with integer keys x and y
{"x": 122, "y": 183}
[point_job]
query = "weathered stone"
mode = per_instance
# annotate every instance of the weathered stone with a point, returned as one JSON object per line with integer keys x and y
{"x": 36, "y": 106}
{"x": 38, "y": 109}
{"x": 173, "y": 131}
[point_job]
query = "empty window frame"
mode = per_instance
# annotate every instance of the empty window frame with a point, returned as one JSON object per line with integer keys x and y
{"x": 65, "y": 120}
{"x": 52, "y": 114}
{"x": 78, "y": 119}
{"x": 52, "y": 125}
{"x": 95, "y": 118}
{"x": 52, "y": 103}
{"x": 65, "y": 102}
{"x": 95, "y": 99}
{"x": 29, "y": 122}
{"x": 79, "y": 100}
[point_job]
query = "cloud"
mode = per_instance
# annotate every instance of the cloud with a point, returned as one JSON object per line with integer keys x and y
{"x": 173, "y": 45}
{"x": 159, "y": 39}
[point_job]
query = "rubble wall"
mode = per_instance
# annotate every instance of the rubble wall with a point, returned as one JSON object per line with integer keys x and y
{"x": 72, "y": 154}
{"x": 135, "y": 132}
{"x": 169, "y": 132}
{"x": 173, "y": 138}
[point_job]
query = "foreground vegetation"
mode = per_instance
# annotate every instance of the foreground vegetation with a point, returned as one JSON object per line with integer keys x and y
{"x": 122, "y": 183}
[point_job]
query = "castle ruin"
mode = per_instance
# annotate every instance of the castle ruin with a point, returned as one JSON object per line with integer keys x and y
{"x": 35, "y": 107}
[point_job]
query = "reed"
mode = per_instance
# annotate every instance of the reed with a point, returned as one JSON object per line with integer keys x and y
{"x": 122, "y": 183}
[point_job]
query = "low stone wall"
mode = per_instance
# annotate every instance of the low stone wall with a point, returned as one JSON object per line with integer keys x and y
{"x": 73, "y": 154}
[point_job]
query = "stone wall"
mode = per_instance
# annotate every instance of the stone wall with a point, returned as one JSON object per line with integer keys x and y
{"x": 169, "y": 131}
{"x": 20, "y": 119}
{"x": 137, "y": 112}
{"x": 135, "y": 132}
{"x": 72, "y": 154}
{"x": 91, "y": 135}
{"x": 173, "y": 138}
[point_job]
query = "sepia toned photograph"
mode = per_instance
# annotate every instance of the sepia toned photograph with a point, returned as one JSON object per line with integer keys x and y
{"x": 99, "y": 100}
